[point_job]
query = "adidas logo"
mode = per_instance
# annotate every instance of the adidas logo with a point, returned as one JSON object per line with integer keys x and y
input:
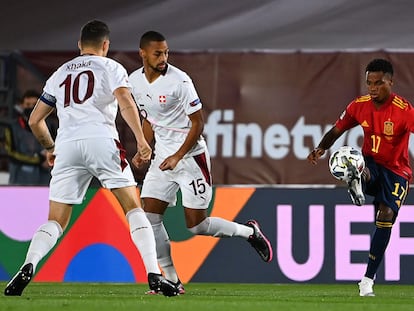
{"x": 365, "y": 124}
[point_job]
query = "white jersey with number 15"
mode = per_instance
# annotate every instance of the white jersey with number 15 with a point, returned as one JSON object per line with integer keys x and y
{"x": 166, "y": 103}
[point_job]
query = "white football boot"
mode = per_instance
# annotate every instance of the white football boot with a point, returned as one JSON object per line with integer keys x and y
{"x": 354, "y": 181}
{"x": 366, "y": 287}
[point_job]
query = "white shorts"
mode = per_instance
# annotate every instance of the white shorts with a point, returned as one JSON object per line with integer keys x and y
{"x": 191, "y": 175}
{"x": 78, "y": 161}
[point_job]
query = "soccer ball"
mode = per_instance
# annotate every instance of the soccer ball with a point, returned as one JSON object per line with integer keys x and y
{"x": 344, "y": 157}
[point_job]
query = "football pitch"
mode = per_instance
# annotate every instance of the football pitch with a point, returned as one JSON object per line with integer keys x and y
{"x": 209, "y": 296}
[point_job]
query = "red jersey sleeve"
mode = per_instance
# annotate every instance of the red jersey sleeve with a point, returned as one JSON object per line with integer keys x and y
{"x": 347, "y": 118}
{"x": 410, "y": 119}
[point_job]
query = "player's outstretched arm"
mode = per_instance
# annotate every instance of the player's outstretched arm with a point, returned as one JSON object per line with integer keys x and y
{"x": 326, "y": 142}
{"x": 315, "y": 154}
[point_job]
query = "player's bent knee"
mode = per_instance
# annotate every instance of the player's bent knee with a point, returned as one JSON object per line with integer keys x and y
{"x": 383, "y": 224}
{"x": 386, "y": 214}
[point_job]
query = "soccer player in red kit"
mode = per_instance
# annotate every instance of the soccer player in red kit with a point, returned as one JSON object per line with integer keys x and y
{"x": 387, "y": 121}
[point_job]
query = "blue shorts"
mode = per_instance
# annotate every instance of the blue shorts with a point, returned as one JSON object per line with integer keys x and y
{"x": 385, "y": 186}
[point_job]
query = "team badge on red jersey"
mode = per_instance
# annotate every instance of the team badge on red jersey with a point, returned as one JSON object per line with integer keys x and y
{"x": 388, "y": 128}
{"x": 162, "y": 99}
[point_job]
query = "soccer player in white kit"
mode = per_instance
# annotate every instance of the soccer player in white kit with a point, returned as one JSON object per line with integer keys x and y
{"x": 86, "y": 92}
{"x": 172, "y": 113}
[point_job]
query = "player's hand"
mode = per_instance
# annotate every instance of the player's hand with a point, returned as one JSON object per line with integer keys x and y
{"x": 170, "y": 163}
{"x": 315, "y": 154}
{"x": 137, "y": 160}
{"x": 45, "y": 164}
{"x": 50, "y": 158}
{"x": 43, "y": 157}
{"x": 144, "y": 151}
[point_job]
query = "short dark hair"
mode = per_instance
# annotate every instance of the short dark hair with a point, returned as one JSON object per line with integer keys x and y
{"x": 94, "y": 32}
{"x": 150, "y": 36}
{"x": 379, "y": 64}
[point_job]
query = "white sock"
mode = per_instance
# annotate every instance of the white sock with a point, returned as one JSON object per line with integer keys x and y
{"x": 168, "y": 268}
{"x": 219, "y": 227}
{"x": 163, "y": 246}
{"x": 42, "y": 242}
{"x": 143, "y": 238}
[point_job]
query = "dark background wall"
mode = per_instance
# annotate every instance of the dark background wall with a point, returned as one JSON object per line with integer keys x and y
{"x": 214, "y": 24}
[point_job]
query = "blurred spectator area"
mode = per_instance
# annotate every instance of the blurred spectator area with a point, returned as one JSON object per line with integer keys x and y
{"x": 16, "y": 76}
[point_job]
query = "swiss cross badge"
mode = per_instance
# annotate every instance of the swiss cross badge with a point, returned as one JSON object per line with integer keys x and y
{"x": 162, "y": 99}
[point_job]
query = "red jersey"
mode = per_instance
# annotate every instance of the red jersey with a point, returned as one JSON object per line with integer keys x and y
{"x": 386, "y": 130}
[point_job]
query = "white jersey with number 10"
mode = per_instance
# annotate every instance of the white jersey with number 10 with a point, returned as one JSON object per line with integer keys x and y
{"x": 82, "y": 90}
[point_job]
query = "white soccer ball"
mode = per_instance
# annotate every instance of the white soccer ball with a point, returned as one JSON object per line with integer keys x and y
{"x": 342, "y": 158}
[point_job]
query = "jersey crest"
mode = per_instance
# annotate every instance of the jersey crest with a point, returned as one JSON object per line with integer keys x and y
{"x": 162, "y": 99}
{"x": 388, "y": 128}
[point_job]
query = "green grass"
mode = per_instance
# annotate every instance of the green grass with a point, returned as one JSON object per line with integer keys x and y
{"x": 208, "y": 296}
